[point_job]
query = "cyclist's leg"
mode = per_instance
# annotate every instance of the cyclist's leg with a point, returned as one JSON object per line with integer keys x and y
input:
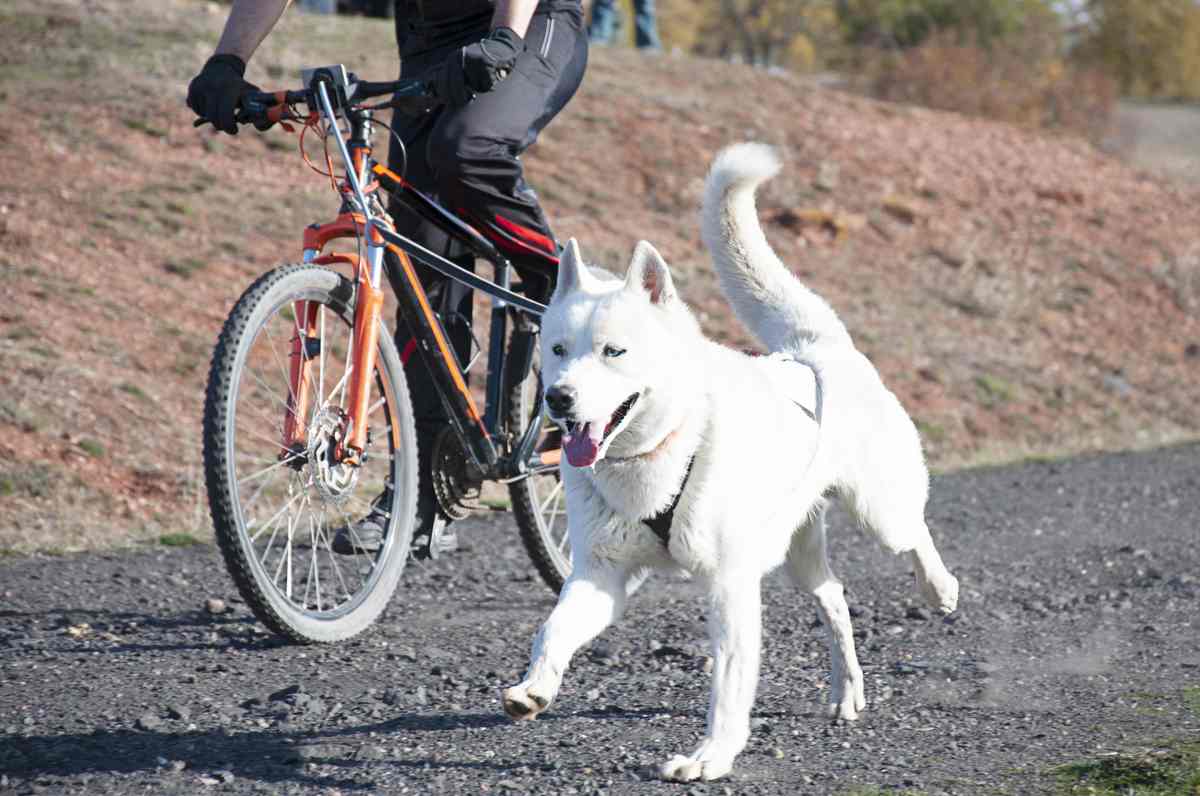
{"x": 474, "y": 150}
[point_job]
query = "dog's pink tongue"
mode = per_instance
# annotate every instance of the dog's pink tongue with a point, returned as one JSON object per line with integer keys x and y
{"x": 583, "y": 444}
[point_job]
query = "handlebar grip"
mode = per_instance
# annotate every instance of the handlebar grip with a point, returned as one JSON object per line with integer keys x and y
{"x": 259, "y": 106}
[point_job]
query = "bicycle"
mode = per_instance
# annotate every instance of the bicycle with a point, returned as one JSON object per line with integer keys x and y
{"x": 307, "y": 417}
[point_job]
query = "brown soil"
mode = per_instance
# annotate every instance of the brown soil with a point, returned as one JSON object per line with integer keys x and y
{"x": 1023, "y": 294}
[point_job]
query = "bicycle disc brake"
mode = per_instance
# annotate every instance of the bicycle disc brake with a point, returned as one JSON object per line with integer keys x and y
{"x": 456, "y": 483}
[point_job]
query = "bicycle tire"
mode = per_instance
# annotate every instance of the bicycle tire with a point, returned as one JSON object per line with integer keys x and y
{"x": 265, "y": 303}
{"x": 544, "y": 537}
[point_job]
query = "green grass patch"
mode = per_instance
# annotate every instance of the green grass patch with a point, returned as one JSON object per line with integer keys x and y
{"x": 178, "y": 540}
{"x": 185, "y": 267}
{"x": 134, "y": 390}
{"x": 1173, "y": 770}
{"x": 143, "y": 126}
{"x": 994, "y": 390}
{"x": 91, "y": 447}
{"x": 1191, "y": 698}
{"x": 931, "y": 431}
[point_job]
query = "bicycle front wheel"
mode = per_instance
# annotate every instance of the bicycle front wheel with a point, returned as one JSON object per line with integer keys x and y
{"x": 278, "y": 486}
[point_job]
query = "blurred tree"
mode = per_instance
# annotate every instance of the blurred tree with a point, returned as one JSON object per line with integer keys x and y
{"x": 761, "y": 32}
{"x": 900, "y": 24}
{"x": 1152, "y": 47}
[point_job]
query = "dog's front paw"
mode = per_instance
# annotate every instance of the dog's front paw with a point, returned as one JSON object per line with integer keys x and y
{"x": 524, "y": 702}
{"x": 941, "y": 592}
{"x": 847, "y": 698}
{"x": 681, "y": 768}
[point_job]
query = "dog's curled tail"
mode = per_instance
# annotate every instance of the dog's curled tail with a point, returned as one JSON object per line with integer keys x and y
{"x": 780, "y": 311}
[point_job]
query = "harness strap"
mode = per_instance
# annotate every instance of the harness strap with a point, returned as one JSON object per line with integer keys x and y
{"x": 661, "y": 523}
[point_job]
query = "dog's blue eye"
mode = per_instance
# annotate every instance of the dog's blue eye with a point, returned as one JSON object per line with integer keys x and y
{"x": 613, "y": 351}
{"x": 558, "y": 349}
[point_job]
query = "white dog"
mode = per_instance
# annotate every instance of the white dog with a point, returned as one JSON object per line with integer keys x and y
{"x": 683, "y": 453}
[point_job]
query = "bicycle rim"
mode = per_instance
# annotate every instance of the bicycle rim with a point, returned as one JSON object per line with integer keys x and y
{"x": 277, "y": 512}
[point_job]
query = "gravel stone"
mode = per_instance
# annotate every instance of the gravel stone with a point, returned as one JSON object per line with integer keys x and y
{"x": 149, "y": 722}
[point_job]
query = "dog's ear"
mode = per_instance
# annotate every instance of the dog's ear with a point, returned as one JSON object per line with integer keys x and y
{"x": 572, "y": 273}
{"x": 648, "y": 273}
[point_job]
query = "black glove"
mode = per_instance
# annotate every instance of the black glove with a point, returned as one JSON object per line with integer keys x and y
{"x": 217, "y": 91}
{"x": 480, "y": 67}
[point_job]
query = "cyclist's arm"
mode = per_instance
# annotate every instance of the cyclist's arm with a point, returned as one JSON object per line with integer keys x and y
{"x": 248, "y": 24}
{"x": 514, "y": 14}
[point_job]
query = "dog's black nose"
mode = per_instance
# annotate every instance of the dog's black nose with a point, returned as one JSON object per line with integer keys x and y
{"x": 560, "y": 399}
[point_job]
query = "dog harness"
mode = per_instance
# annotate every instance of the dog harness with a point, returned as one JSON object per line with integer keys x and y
{"x": 661, "y": 523}
{"x": 802, "y": 387}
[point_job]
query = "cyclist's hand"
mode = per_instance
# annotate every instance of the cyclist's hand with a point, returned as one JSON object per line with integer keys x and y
{"x": 480, "y": 67}
{"x": 217, "y": 91}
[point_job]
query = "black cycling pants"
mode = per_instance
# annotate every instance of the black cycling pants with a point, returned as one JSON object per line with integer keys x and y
{"x": 468, "y": 157}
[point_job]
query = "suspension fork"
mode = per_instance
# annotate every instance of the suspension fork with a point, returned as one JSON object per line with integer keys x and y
{"x": 364, "y": 344}
{"x": 367, "y": 310}
{"x": 300, "y": 376}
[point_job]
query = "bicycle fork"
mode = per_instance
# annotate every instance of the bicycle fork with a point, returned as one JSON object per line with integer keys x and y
{"x": 307, "y": 342}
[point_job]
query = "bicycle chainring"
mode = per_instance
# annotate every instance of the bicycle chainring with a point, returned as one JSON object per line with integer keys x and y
{"x": 456, "y": 483}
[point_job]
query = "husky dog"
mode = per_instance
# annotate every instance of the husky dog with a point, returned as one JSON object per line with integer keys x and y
{"x": 684, "y": 454}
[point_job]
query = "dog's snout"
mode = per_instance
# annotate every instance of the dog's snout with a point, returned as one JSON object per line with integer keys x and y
{"x": 560, "y": 399}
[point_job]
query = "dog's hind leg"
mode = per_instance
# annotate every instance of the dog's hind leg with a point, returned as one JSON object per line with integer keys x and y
{"x": 592, "y": 598}
{"x": 890, "y": 505}
{"x": 808, "y": 566}
{"x": 735, "y": 626}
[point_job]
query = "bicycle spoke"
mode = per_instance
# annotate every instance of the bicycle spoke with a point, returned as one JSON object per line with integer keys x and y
{"x": 265, "y": 470}
{"x": 261, "y": 416}
{"x": 287, "y": 379}
{"x": 337, "y": 570}
{"x": 557, "y": 488}
{"x": 269, "y": 390}
{"x": 316, "y": 571}
{"x": 249, "y": 502}
{"x": 274, "y": 443}
{"x": 273, "y": 521}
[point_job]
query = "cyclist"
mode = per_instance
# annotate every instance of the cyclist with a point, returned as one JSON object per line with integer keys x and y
{"x": 503, "y": 69}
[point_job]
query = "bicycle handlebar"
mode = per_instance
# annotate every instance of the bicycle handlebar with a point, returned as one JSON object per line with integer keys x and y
{"x": 266, "y": 106}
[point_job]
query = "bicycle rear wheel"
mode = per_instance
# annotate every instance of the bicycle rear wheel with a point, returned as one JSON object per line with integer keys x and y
{"x": 538, "y": 502}
{"x": 276, "y": 510}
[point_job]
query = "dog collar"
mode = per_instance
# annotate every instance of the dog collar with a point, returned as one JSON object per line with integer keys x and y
{"x": 661, "y": 523}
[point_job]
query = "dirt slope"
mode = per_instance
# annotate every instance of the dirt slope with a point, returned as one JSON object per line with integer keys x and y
{"x": 1022, "y": 294}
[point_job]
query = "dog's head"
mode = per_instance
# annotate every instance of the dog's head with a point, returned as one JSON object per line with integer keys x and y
{"x": 614, "y": 352}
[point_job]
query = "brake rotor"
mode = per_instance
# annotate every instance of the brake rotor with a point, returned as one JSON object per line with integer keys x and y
{"x": 456, "y": 484}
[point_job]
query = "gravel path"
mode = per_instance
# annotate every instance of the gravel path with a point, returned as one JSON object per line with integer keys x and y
{"x": 1078, "y": 632}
